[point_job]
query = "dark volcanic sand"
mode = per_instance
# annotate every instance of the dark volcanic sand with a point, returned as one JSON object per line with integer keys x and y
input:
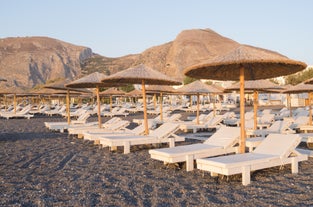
{"x": 43, "y": 168}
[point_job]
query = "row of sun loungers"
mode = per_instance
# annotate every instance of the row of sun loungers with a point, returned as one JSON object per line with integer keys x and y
{"x": 217, "y": 154}
{"x": 22, "y": 113}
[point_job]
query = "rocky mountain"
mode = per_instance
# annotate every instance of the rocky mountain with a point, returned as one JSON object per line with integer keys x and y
{"x": 29, "y": 61}
{"x": 189, "y": 47}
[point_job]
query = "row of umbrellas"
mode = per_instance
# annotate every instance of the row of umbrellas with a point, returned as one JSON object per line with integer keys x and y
{"x": 244, "y": 62}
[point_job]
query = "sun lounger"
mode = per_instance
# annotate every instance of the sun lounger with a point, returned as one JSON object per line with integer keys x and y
{"x": 163, "y": 134}
{"x": 57, "y": 111}
{"x": 97, "y": 134}
{"x": 222, "y": 142}
{"x": 117, "y": 126}
{"x": 24, "y": 113}
{"x": 79, "y": 129}
{"x": 275, "y": 150}
{"x": 61, "y": 126}
{"x": 210, "y": 124}
{"x": 278, "y": 127}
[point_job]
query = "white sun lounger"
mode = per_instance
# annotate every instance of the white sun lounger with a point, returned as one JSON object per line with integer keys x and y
{"x": 275, "y": 150}
{"x": 220, "y": 143}
{"x": 61, "y": 126}
{"x": 24, "y": 113}
{"x": 97, "y": 134}
{"x": 163, "y": 134}
{"x": 117, "y": 126}
{"x": 211, "y": 123}
{"x": 278, "y": 127}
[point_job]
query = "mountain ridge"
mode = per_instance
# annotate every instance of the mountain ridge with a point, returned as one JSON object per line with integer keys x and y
{"x": 27, "y": 62}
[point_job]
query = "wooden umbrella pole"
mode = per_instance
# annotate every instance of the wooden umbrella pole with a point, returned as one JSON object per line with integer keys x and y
{"x": 68, "y": 106}
{"x": 145, "y": 117}
{"x": 99, "y": 106}
{"x": 154, "y": 101}
{"x": 242, "y": 144}
{"x": 198, "y": 108}
{"x": 14, "y": 102}
{"x": 310, "y": 109}
{"x": 5, "y": 103}
{"x": 255, "y": 108}
{"x": 161, "y": 106}
{"x": 289, "y": 104}
{"x": 214, "y": 105}
{"x": 110, "y": 103}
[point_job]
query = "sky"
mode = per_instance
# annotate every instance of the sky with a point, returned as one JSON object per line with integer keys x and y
{"x": 115, "y": 28}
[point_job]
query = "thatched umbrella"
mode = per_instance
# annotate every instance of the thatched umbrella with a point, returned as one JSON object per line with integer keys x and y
{"x": 245, "y": 62}
{"x": 15, "y": 91}
{"x": 60, "y": 85}
{"x": 159, "y": 89}
{"x": 256, "y": 86}
{"x": 197, "y": 88}
{"x": 134, "y": 93}
{"x": 302, "y": 88}
{"x": 141, "y": 74}
{"x": 2, "y": 79}
{"x": 111, "y": 92}
{"x": 92, "y": 80}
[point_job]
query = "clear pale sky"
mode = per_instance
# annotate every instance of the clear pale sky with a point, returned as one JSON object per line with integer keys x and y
{"x": 114, "y": 28}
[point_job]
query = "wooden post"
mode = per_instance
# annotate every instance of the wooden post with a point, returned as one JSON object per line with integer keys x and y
{"x": 111, "y": 103}
{"x": 145, "y": 117}
{"x": 255, "y": 108}
{"x": 161, "y": 106}
{"x": 289, "y": 104}
{"x": 68, "y": 106}
{"x": 14, "y": 102}
{"x": 310, "y": 109}
{"x": 154, "y": 101}
{"x": 242, "y": 144}
{"x": 198, "y": 108}
{"x": 99, "y": 106}
{"x": 214, "y": 105}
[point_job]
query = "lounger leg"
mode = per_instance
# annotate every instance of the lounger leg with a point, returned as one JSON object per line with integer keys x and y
{"x": 171, "y": 142}
{"x": 113, "y": 148}
{"x": 213, "y": 174}
{"x": 246, "y": 175}
{"x": 189, "y": 163}
{"x": 96, "y": 142}
{"x": 294, "y": 165}
{"x": 126, "y": 147}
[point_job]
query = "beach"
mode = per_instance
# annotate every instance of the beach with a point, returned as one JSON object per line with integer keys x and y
{"x": 39, "y": 167}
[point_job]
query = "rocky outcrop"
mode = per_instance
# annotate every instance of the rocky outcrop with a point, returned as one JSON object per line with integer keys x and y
{"x": 29, "y": 61}
{"x": 189, "y": 47}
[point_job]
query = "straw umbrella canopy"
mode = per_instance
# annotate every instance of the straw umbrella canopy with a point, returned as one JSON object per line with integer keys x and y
{"x": 15, "y": 91}
{"x": 256, "y": 86}
{"x": 245, "y": 62}
{"x": 310, "y": 81}
{"x": 303, "y": 88}
{"x": 60, "y": 85}
{"x": 160, "y": 90}
{"x": 2, "y": 79}
{"x": 143, "y": 75}
{"x": 111, "y": 92}
{"x": 134, "y": 93}
{"x": 92, "y": 80}
{"x": 197, "y": 88}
